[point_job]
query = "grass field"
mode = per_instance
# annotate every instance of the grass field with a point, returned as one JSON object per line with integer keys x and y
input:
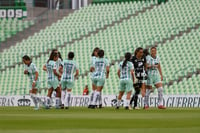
{"x": 83, "y": 120}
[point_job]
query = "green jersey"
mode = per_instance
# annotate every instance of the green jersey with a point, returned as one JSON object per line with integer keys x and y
{"x": 100, "y": 65}
{"x": 125, "y": 72}
{"x": 58, "y": 63}
{"x": 31, "y": 71}
{"x": 69, "y": 68}
{"x": 153, "y": 61}
{"x": 51, "y": 66}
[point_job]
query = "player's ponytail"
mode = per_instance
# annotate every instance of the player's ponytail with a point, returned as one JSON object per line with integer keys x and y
{"x": 127, "y": 58}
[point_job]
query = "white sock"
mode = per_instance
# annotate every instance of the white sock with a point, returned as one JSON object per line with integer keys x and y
{"x": 127, "y": 103}
{"x": 160, "y": 96}
{"x": 96, "y": 97}
{"x": 118, "y": 102}
{"x": 35, "y": 99}
{"x": 63, "y": 93}
{"x": 143, "y": 101}
{"x": 91, "y": 97}
{"x": 48, "y": 101}
{"x": 146, "y": 98}
{"x": 57, "y": 105}
{"x": 100, "y": 98}
{"x": 67, "y": 99}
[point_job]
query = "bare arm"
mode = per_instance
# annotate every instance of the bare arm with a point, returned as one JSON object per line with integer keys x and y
{"x": 160, "y": 71}
{"x": 77, "y": 73}
{"x": 132, "y": 74}
{"x": 61, "y": 69}
{"x": 118, "y": 73}
{"x": 92, "y": 69}
{"x": 44, "y": 68}
{"x": 57, "y": 74}
{"x": 107, "y": 71}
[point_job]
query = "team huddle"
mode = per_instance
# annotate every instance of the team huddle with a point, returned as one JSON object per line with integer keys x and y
{"x": 141, "y": 72}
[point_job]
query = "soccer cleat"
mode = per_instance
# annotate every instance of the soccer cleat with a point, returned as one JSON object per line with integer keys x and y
{"x": 66, "y": 107}
{"x": 93, "y": 106}
{"x": 136, "y": 108}
{"x": 62, "y": 106}
{"x": 89, "y": 106}
{"x": 100, "y": 106}
{"x": 117, "y": 107}
{"x": 126, "y": 108}
{"x": 130, "y": 108}
{"x": 161, "y": 107}
{"x": 146, "y": 107}
{"x": 47, "y": 107}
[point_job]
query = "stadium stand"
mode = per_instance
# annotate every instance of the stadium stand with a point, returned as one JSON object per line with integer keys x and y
{"x": 10, "y": 27}
{"x": 147, "y": 28}
{"x": 54, "y": 35}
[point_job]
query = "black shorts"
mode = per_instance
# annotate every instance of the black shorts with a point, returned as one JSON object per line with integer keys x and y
{"x": 137, "y": 85}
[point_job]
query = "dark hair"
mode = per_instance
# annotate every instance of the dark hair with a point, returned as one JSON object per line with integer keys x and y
{"x": 51, "y": 57}
{"x": 146, "y": 52}
{"x": 26, "y": 57}
{"x": 59, "y": 55}
{"x": 101, "y": 53}
{"x": 127, "y": 58}
{"x": 95, "y": 50}
{"x": 153, "y": 48}
{"x": 71, "y": 55}
{"x": 137, "y": 50}
{"x": 53, "y": 50}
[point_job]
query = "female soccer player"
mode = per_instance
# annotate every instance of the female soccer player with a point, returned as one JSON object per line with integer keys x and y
{"x": 126, "y": 75}
{"x": 100, "y": 69}
{"x": 58, "y": 63}
{"x": 32, "y": 72}
{"x": 139, "y": 62}
{"x": 94, "y": 57}
{"x": 53, "y": 77}
{"x": 69, "y": 67}
{"x": 155, "y": 77}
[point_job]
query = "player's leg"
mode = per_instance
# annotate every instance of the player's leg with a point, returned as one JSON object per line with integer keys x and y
{"x": 121, "y": 93}
{"x": 148, "y": 91}
{"x": 48, "y": 98}
{"x": 96, "y": 96}
{"x": 135, "y": 96}
{"x": 58, "y": 96}
{"x": 92, "y": 94}
{"x": 128, "y": 97}
{"x": 63, "y": 93}
{"x": 147, "y": 94}
{"x": 119, "y": 99}
{"x": 68, "y": 94}
{"x": 100, "y": 83}
{"x": 159, "y": 87}
{"x": 33, "y": 95}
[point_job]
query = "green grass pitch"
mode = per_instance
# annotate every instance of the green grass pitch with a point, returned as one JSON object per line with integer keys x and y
{"x": 83, "y": 120}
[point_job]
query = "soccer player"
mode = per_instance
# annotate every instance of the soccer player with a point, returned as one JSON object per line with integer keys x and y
{"x": 154, "y": 77}
{"x": 100, "y": 69}
{"x": 139, "y": 62}
{"x": 69, "y": 67}
{"x": 53, "y": 78}
{"x": 58, "y": 63}
{"x": 94, "y": 57}
{"x": 126, "y": 75}
{"x": 32, "y": 72}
